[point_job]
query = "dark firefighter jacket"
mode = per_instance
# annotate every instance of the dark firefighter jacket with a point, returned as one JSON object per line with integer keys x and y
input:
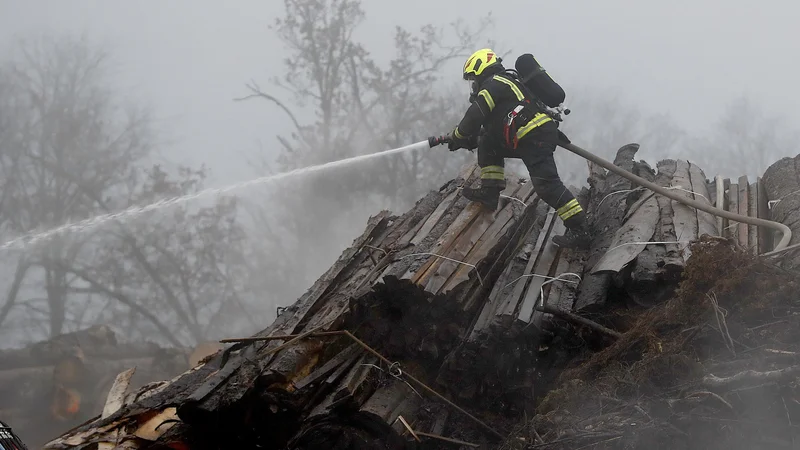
{"x": 497, "y": 95}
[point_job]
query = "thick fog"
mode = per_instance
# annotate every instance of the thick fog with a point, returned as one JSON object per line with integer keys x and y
{"x": 108, "y": 106}
{"x": 712, "y": 81}
{"x": 189, "y": 58}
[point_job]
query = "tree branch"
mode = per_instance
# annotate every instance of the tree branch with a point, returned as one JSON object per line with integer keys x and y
{"x": 574, "y": 318}
{"x": 13, "y": 291}
{"x": 257, "y": 92}
{"x": 99, "y": 288}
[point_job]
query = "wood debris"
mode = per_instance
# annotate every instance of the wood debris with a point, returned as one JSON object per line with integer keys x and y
{"x": 466, "y": 300}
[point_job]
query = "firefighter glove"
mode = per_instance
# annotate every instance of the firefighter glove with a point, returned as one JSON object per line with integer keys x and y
{"x": 458, "y": 141}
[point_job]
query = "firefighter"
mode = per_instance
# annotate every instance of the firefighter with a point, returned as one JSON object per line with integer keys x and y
{"x": 511, "y": 125}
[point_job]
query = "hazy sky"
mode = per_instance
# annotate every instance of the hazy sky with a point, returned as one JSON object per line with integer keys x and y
{"x": 189, "y": 58}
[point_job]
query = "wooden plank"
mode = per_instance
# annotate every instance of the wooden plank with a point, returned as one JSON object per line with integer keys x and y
{"x": 721, "y": 204}
{"x": 639, "y": 227}
{"x": 446, "y": 241}
{"x": 512, "y": 302}
{"x": 550, "y": 261}
{"x": 501, "y": 291}
{"x": 672, "y": 257}
{"x": 684, "y": 217}
{"x": 543, "y": 267}
{"x": 561, "y": 294}
{"x": 764, "y": 234}
{"x": 351, "y": 352}
{"x": 480, "y": 248}
{"x": 451, "y": 273}
{"x": 744, "y": 200}
{"x": 733, "y": 206}
{"x": 706, "y": 222}
{"x": 116, "y": 395}
{"x": 428, "y": 224}
{"x": 490, "y": 307}
{"x": 752, "y": 211}
{"x": 353, "y": 385}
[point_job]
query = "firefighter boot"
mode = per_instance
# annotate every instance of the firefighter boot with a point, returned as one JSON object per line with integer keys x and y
{"x": 577, "y": 236}
{"x": 488, "y": 194}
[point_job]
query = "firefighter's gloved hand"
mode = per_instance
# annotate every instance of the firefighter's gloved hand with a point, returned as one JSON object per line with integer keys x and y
{"x": 472, "y": 143}
{"x": 458, "y": 143}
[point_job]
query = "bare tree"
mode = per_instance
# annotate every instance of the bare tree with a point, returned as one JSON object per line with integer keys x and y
{"x": 71, "y": 152}
{"x": 603, "y": 121}
{"x": 745, "y": 140}
{"x": 356, "y": 106}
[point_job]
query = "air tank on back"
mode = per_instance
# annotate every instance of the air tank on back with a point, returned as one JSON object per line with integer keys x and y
{"x": 535, "y": 78}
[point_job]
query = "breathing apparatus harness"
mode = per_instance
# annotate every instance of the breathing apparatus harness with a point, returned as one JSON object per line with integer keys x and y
{"x": 526, "y": 110}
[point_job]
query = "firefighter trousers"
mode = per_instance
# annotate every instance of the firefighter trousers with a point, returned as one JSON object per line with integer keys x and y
{"x": 536, "y": 152}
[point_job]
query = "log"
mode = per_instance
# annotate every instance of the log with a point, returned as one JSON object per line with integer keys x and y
{"x": 607, "y": 199}
{"x": 650, "y": 249}
{"x": 782, "y": 186}
{"x": 639, "y": 227}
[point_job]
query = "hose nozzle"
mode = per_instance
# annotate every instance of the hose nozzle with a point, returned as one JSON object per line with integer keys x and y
{"x": 433, "y": 141}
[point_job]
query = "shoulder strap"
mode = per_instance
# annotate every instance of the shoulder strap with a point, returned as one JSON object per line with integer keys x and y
{"x": 515, "y": 78}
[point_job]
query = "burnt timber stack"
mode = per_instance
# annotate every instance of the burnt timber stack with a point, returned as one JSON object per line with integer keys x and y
{"x": 447, "y": 292}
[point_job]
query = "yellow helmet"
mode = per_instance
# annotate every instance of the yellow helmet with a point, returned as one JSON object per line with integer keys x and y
{"x": 479, "y": 61}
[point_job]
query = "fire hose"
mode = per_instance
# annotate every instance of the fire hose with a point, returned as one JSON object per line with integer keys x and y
{"x": 786, "y": 233}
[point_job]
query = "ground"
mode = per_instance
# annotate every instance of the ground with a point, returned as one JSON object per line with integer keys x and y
{"x": 715, "y": 367}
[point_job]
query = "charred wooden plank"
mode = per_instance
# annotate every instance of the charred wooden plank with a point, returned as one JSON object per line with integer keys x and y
{"x": 354, "y": 388}
{"x": 513, "y": 305}
{"x": 504, "y": 294}
{"x": 545, "y": 267}
{"x": 561, "y": 293}
{"x": 330, "y": 366}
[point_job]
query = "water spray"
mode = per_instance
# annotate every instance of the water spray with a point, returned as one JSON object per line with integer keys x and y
{"x": 87, "y": 224}
{"x": 93, "y": 222}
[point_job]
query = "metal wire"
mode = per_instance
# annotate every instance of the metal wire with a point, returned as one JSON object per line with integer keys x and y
{"x": 311, "y": 333}
{"x": 480, "y": 280}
